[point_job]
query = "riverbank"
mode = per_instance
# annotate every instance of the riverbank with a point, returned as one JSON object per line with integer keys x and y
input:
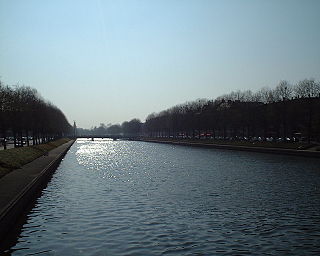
{"x": 297, "y": 149}
{"x": 15, "y": 158}
{"x": 19, "y": 187}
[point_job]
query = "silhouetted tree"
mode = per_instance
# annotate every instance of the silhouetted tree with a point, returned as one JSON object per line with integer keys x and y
{"x": 23, "y": 110}
{"x": 114, "y": 129}
{"x": 281, "y": 112}
{"x": 131, "y": 128}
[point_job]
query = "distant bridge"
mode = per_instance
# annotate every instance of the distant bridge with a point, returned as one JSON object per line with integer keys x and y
{"x": 107, "y": 136}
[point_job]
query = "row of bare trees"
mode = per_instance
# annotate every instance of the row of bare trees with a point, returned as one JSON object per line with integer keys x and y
{"x": 25, "y": 114}
{"x": 287, "y": 111}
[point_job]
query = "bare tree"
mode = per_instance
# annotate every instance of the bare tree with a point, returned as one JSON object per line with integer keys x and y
{"x": 307, "y": 88}
{"x": 283, "y": 91}
{"x": 23, "y": 110}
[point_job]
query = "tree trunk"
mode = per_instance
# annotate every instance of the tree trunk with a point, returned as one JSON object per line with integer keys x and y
{"x": 33, "y": 138}
{"x": 21, "y": 139}
{"x": 27, "y": 136}
{"x": 15, "y": 139}
{"x": 4, "y": 140}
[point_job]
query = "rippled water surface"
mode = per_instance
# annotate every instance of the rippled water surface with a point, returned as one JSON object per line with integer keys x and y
{"x": 137, "y": 198}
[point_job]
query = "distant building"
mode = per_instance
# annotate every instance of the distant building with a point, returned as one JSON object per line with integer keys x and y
{"x": 74, "y": 129}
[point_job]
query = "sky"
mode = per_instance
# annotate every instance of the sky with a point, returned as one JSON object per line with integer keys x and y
{"x": 111, "y": 61}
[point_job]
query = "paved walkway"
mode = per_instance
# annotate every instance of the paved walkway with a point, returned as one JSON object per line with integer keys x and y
{"x": 14, "y": 182}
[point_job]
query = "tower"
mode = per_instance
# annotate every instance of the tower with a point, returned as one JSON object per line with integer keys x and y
{"x": 74, "y": 129}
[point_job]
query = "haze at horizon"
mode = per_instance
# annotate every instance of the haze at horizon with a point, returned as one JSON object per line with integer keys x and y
{"x": 111, "y": 61}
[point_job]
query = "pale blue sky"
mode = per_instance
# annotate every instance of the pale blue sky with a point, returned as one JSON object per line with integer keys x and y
{"x": 111, "y": 61}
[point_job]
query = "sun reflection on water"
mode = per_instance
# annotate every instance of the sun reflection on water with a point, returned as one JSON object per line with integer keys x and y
{"x": 107, "y": 157}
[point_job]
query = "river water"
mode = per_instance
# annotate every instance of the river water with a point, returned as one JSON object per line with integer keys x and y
{"x": 137, "y": 198}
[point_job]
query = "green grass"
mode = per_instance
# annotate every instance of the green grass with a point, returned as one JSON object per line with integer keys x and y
{"x": 15, "y": 158}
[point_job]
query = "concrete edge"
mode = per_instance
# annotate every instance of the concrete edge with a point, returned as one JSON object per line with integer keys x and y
{"x": 17, "y": 206}
{"x": 294, "y": 152}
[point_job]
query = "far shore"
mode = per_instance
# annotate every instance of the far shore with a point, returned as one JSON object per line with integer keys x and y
{"x": 297, "y": 149}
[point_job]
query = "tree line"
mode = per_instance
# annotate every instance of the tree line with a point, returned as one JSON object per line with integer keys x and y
{"x": 287, "y": 111}
{"x": 130, "y": 128}
{"x": 25, "y": 115}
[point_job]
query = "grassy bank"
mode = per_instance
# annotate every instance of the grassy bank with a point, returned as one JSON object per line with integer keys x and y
{"x": 14, "y": 158}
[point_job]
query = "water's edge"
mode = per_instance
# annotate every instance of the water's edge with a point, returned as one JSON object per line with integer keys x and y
{"x": 293, "y": 152}
{"x": 16, "y": 207}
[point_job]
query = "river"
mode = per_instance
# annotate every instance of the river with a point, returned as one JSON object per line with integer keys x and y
{"x": 138, "y": 198}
